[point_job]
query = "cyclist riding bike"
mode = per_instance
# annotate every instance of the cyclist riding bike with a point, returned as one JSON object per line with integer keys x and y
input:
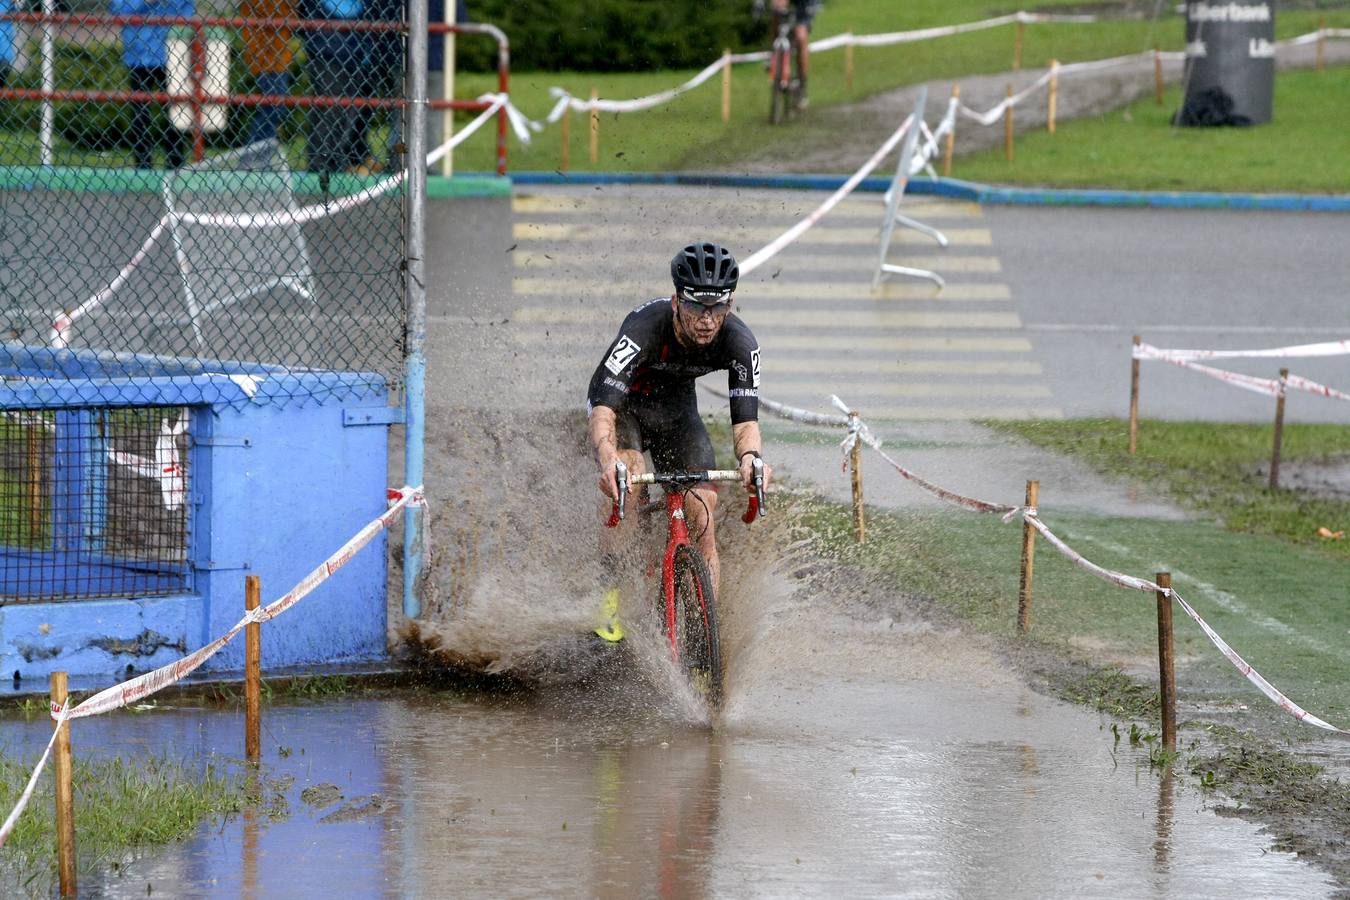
{"x": 641, "y": 396}
{"x": 804, "y": 12}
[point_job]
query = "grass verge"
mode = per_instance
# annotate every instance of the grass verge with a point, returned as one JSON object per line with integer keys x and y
{"x": 121, "y": 805}
{"x": 1136, "y": 147}
{"x": 1219, "y": 469}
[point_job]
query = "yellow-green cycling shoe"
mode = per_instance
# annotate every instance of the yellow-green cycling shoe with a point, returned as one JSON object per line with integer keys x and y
{"x": 611, "y": 631}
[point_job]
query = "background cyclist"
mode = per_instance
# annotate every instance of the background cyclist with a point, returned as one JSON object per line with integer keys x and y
{"x": 642, "y": 397}
{"x": 805, "y": 11}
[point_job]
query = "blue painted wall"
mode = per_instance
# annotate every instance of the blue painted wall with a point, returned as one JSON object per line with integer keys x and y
{"x": 277, "y": 486}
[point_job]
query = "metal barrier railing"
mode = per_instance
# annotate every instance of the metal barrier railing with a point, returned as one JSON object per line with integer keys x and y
{"x": 200, "y": 101}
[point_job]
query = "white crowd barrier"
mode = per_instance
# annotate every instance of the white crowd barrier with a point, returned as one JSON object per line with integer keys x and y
{"x": 132, "y": 690}
{"x": 1032, "y": 516}
{"x": 776, "y": 246}
{"x": 64, "y": 321}
{"x": 1270, "y": 387}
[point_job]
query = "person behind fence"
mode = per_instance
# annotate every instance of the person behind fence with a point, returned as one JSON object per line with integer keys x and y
{"x": 641, "y": 397}
{"x": 338, "y": 61}
{"x": 6, "y": 43}
{"x": 393, "y": 57}
{"x": 803, "y": 13}
{"x": 145, "y": 55}
{"x": 267, "y": 54}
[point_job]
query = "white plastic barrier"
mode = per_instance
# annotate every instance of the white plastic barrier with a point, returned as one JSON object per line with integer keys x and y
{"x": 120, "y": 695}
{"x": 1031, "y": 515}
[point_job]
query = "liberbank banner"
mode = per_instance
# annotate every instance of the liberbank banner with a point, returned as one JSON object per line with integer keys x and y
{"x": 1230, "y": 59}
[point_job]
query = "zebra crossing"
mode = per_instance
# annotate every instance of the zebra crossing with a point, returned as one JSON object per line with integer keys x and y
{"x": 902, "y": 351}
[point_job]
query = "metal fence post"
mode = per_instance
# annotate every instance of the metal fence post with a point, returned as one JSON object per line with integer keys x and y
{"x": 414, "y": 285}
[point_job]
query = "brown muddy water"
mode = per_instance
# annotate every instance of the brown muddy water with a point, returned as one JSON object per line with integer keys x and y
{"x": 862, "y": 752}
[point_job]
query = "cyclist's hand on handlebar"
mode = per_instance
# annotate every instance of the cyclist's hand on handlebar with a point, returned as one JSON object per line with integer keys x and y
{"x": 747, "y": 471}
{"x": 609, "y": 485}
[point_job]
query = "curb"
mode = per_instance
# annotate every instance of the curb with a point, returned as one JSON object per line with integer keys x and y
{"x": 965, "y": 190}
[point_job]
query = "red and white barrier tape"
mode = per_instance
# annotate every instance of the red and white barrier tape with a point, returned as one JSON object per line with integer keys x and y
{"x": 1270, "y": 387}
{"x": 142, "y": 686}
{"x": 1326, "y": 348}
{"x": 774, "y": 247}
{"x": 1032, "y": 517}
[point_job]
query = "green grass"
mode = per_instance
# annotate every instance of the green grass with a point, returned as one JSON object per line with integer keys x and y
{"x": 1136, "y": 147}
{"x": 120, "y": 805}
{"x": 1212, "y": 467}
{"x": 1242, "y": 584}
{"x": 688, "y": 133}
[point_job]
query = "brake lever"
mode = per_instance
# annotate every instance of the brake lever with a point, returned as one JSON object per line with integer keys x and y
{"x": 621, "y": 481}
{"x": 757, "y": 466}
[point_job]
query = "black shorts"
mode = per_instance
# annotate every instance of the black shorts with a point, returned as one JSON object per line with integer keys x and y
{"x": 670, "y": 429}
{"x": 805, "y": 11}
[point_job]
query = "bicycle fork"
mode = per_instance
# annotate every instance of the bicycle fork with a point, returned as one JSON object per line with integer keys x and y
{"x": 679, "y": 535}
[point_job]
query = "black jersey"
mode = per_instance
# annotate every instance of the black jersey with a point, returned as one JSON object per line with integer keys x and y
{"x": 647, "y": 360}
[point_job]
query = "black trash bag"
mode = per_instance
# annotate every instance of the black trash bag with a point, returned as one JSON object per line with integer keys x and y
{"x": 1212, "y": 106}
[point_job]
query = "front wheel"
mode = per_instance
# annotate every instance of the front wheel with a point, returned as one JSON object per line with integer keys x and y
{"x": 694, "y": 642}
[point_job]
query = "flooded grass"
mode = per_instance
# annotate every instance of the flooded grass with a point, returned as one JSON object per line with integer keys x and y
{"x": 1095, "y": 644}
{"x": 121, "y": 806}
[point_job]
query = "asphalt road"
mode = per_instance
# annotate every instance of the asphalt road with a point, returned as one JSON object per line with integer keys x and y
{"x": 1036, "y": 318}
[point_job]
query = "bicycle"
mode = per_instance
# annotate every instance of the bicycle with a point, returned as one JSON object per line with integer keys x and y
{"x": 785, "y": 84}
{"x": 689, "y": 619}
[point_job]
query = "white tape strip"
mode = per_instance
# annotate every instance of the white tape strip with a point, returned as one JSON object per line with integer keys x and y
{"x": 1298, "y": 382}
{"x": 1255, "y": 677}
{"x": 1268, "y": 386}
{"x": 996, "y": 113}
{"x": 764, "y": 254}
{"x": 144, "y": 685}
{"x": 1326, "y": 348}
{"x": 27, "y": 794}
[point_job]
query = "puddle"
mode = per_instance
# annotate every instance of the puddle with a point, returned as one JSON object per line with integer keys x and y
{"x": 861, "y": 788}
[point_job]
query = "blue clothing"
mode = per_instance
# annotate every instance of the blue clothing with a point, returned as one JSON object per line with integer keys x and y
{"x": 143, "y": 45}
{"x": 6, "y": 34}
{"x": 351, "y": 48}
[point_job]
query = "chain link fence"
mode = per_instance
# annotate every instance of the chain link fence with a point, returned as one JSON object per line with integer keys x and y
{"x": 199, "y": 204}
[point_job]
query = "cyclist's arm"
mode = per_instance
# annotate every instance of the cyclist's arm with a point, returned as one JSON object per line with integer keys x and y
{"x": 748, "y": 444}
{"x": 605, "y": 441}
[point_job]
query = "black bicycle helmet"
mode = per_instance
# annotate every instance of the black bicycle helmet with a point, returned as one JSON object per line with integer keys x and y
{"x": 705, "y": 267}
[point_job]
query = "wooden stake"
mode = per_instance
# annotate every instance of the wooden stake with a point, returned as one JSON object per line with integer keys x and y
{"x": 65, "y": 792}
{"x": 1028, "y": 563}
{"x": 1278, "y": 443}
{"x": 1167, "y": 676}
{"x": 1157, "y": 76}
{"x": 726, "y": 84}
{"x": 848, "y": 67}
{"x": 566, "y": 136}
{"x": 1134, "y": 399}
{"x": 951, "y": 138}
{"x": 1017, "y": 46}
{"x": 595, "y": 128}
{"x": 1008, "y": 127}
{"x": 855, "y": 464}
{"x": 1322, "y": 44}
{"x": 252, "y": 672}
{"x": 1054, "y": 96}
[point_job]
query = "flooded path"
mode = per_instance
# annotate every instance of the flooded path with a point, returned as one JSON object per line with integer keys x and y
{"x": 857, "y": 788}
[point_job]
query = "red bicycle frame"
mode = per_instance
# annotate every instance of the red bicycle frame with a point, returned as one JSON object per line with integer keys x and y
{"x": 679, "y": 527}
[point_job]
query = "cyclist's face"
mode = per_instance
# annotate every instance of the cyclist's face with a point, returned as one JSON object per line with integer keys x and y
{"x": 699, "y": 318}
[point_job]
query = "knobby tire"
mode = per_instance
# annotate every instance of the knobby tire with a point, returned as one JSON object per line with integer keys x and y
{"x": 696, "y": 639}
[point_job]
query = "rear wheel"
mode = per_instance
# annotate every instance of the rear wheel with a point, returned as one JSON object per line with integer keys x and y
{"x": 695, "y": 644}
